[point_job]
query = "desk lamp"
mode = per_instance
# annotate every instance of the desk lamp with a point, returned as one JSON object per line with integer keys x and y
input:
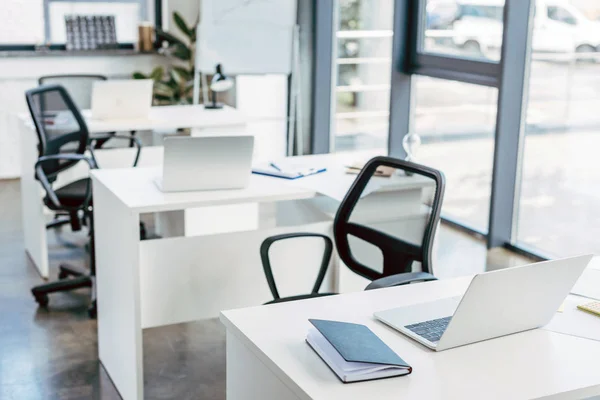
{"x": 219, "y": 83}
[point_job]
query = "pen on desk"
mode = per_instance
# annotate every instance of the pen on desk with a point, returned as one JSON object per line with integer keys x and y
{"x": 274, "y": 166}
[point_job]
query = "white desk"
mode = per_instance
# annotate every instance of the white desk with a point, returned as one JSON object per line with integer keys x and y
{"x": 203, "y": 122}
{"x": 268, "y": 359}
{"x": 226, "y": 119}
{"x": 198, "y": 272}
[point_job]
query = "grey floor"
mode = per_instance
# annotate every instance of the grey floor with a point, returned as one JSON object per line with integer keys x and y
{"x": 52, "y": 354}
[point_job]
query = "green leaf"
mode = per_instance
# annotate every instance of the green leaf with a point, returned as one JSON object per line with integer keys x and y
{"x": 157, "y": 74}
{"x": 193, "y": 35}
{"x": 179, "y": 21}
{"x": 185, "y": 74}
{"x": 162, "y": 97}
{"x": 172, "y": 83}
{"x": 172, "y": 39}
{"x": 161, "y": 89}
{"x": 139, "y": 75}
{"x": 176, "y": 77}
{"x": 182, "y": 52}
{"x": 188, "y": 92}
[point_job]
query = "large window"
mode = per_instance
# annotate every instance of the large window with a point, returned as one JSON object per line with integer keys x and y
{"x": 456, "y": 123}
{"x": 464, "y": 28}
{"x": 558, "y": 209}
{"x": 28, "y": 23}
{"x": 362, "y": 74}
{"x": 518, "y": 142}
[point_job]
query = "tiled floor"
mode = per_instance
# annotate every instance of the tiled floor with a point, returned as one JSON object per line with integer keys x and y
{"x": 52, "y": 354}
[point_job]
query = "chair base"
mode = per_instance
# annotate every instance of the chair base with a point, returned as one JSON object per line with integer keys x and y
{"x": 80, "y": 279}
{"x": 57, "y": 222}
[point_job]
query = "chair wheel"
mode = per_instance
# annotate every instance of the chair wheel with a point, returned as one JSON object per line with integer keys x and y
{"x": 41, "y": 299}
{"x": 93, "y": 311}
{"x": 62, "y": 275}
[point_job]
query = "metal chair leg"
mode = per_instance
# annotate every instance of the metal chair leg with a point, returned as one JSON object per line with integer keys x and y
{"x": 41, "y": 292}
{"x": 69, "y": 270}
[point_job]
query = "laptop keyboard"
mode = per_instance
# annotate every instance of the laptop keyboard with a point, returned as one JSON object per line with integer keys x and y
{"x": 431, "y": 330}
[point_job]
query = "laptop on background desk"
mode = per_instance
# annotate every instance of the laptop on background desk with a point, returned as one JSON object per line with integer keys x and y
{"x": 496, "y": 303}
{"x": 206, "y": 163}
{"x": 122, "y": 99}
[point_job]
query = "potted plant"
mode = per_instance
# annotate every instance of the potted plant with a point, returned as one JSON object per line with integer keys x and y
{"x": 174, "y": 85}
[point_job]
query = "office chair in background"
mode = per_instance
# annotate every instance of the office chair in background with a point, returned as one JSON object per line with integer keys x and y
{"x": 381, "y": 247}
{"x": 80, "y": 88}
{"x": 63, "y": 141}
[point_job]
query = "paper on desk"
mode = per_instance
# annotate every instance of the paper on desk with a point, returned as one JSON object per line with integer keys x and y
{"x": 334, "y": 185}
{"x": 575, "y": 322}
{"x": 588, "y": 284}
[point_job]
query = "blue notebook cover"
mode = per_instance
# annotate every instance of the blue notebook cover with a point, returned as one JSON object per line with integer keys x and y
{"x": 357, "y": 343}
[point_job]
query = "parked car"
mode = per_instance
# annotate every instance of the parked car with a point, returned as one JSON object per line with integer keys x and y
{"x": 559, "y": 27}
{"x": 440, "y": 14}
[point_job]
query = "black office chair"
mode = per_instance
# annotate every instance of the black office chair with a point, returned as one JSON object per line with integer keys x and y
{"x": 380, "y": 247}
{"x": 63, "y": 141}
{"x": 79, "y": 87}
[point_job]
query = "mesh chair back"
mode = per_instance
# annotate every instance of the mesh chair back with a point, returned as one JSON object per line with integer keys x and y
{"x": 388, "y": 219}
{"x": 78, "y": 86}
{"x": 59, "y": 125}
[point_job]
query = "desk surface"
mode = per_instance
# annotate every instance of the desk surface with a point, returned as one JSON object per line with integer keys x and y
{"x": 136, "y": 187}
{"x": 532, "y": 364}
{"x": 167, "y": 117}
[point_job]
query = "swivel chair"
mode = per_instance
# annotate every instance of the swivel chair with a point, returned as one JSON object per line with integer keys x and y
{"x": 403, "y": 236}
{"x": 63, "y": 142}
{"x": 80, "y": 88}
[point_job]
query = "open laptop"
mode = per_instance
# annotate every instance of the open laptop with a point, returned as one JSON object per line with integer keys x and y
{"x": 206, "y": 163}
{"x": 495, "y": 304}
{"x": 121, "y": 99}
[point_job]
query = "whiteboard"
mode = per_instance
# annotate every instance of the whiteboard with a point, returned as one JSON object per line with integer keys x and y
{"x": 246, "y": 36}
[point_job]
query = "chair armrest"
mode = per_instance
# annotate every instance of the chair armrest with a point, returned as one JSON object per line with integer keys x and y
{"x": 43, "y": 178}
{"x": 131, "y": 139}
{"x": 400, "y": 279}
{"x": 264, "y": 255}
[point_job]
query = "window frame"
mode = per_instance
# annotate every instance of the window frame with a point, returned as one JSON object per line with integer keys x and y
{"x": 62, "y": 47}
{"x": 443, "y": 66}
{"x": 510, "y": 75}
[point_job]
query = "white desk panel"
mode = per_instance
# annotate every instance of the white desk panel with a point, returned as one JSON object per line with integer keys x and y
{"x": 530, "y": 365}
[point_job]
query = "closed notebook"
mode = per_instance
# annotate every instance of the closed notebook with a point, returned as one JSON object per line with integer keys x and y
{"x": 354, "y": 352}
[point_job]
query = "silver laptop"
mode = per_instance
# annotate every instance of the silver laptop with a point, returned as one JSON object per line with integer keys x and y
{"x": 495, "y": 304}
{"x": 206, "y": 163}
{"x": 122, "y": 99}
